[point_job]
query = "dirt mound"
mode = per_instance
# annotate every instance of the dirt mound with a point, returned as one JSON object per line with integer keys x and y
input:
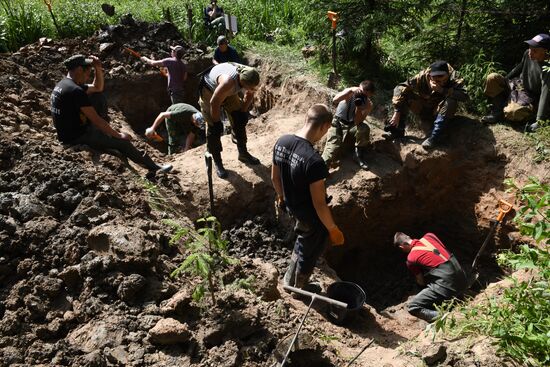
{"x": 85, "y": 259}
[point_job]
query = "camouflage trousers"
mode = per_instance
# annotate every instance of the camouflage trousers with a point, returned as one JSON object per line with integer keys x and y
{"x": 508, "y": 98}
{"x": 340, "y": 135}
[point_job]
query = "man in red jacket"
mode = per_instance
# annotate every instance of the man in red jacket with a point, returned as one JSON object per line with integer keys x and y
{"x": 434, "y": 267}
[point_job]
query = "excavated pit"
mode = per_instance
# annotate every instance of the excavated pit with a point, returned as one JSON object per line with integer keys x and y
{"x": 141, "y": 97}
{"x": 438, "y": 193}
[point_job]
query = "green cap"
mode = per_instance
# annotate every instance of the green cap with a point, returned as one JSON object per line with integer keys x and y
{"x": 249, "y": 75}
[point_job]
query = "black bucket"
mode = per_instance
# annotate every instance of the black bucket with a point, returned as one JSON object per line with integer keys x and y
{"x": 349, "y": 293}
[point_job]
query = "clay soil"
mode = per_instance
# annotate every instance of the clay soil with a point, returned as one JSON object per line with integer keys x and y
{"x": 85, "y": 259}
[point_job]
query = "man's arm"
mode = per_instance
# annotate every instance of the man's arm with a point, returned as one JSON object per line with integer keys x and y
{"x": 220, "y": 94}
{"x": 99, "y": 79}
{"x": 361, "y": 112}
{"x": 247, "y": 101}
{"x": 276, "y": 181}
{"x": 318, "y": 196}
{"x": 149, "y": 61}
{"x": 543, "y": 111}
{"x": 344, "y": 94}
{"x": 161, "y": 117}
{"x": 420, "y": 279}
{"x": 101, "y": 124}
{"x": 516, "y": 71}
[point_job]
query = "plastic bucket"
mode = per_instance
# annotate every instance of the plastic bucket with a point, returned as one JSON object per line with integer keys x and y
{"x": 349, "y": 293}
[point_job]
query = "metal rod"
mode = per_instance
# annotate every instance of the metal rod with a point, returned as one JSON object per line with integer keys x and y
{"x": 315, "y": 295}
{"x": 208, "y": 160}
{"x": 361, "y": 352}
{"x": 298, "y": 331}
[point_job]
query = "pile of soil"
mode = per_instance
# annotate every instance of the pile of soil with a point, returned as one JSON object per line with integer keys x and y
{"x": 85, "y": 259}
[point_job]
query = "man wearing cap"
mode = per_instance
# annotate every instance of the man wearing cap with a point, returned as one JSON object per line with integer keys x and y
{"x": 433, "y": 95}
{"x": 523, "y": 94}
{"x": 182, "y": 121}
{"x": 224, "y": 52}
{"x": 434, "y": 267}
{"x": 298, "y": 175}
{"x": 177, "y": 72}
{"x": 77, "y": 122}
{"x": 219, "y": 88}
{"x": 354, "y": 105}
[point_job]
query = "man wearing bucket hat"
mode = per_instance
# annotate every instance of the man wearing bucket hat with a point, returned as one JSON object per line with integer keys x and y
{"x": 225, "y": 52}
{"x": 177, "y": 72}
{"x": 298, "y": 175}
{"x": 219, "y": 89}
{"x": 522, "y": 95}
{"x": 76, "y": 120}
{"x": 434, "y": 267}
{"x": 183, "y": 121}
{"x": 433, "y": 95}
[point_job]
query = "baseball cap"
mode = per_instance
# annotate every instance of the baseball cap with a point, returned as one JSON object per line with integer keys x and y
{"x": 540, "y": 40}
{"x": 178, "y": 50}
{"x": 77, "y": 60}
{"x": 221, "y": 39}
{"x": 439, "y": 67}
{"x": 249, "y": 75}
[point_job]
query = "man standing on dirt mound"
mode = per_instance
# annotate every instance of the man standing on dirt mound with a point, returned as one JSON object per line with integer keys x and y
{"x": 432, "y": 95}
{"x": 298, "y": 175}
{"x": 219, "y": 89}
{"x": 77, "y": 121}
{"x": 177, "y": 72}
{"x": 354, "y": 105}
{"x": 523, "y": 94}
{"x": 434, "y": 267}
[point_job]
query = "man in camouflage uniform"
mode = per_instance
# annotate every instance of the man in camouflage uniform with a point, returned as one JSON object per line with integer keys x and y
{"x": 433, "y": 95}
{"x": 354, "y": 105}
{"x": 183, "y": 121}
{"x": 524, "y": 91}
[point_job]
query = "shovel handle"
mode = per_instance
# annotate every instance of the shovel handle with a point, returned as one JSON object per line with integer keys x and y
{"x": 316, "y": 296}
{"x": 132, "y": 52}
{"x": 504, "y": 208}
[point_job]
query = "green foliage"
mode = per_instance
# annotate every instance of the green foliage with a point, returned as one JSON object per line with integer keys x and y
{"x": 3, "y": 40}
{"x": 519, "y": 320}
{"x": 475, "y": 73}
{"x": 207, "y": 255}
{"x": 534, "y": 210}
{"x": 21, "y": 23}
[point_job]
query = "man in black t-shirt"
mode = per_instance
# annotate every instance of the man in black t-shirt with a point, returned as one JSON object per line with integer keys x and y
{"x": 78, "y": 122}
{"x": 298, "y": 175}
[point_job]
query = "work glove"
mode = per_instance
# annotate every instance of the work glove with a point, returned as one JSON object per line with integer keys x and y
{"x": 336, "y": 236}
{"x": 280, "y": 203}
{"x": 149, "y": 132}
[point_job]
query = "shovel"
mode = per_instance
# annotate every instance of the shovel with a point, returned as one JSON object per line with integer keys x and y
{"x": 503, "y": 208}
{"x": 138, "y": 55}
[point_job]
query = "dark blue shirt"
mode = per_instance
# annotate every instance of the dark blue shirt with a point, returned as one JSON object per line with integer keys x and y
{"x": 230, "y": 55}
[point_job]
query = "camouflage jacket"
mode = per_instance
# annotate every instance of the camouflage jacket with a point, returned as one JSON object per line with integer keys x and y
{"x": 419, "y": 87}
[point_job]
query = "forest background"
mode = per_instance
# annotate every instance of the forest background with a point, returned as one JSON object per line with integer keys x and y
{"x": 386, "y": 40}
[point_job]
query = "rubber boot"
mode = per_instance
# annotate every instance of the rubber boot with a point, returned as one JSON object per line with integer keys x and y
{"x": 220, "y": 170}
{"x": 496, "y": 113}
{"x": 245, "y": 156}
{"x": 358, "y": 157}
{"x": 290, "y": 275}
{"x": 425, "y": 314}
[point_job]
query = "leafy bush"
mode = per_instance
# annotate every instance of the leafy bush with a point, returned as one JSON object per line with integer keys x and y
{"x": 519, "y": 320}
{"x": 474, "y": 74}
{"x": 534, "y": 211}
{"x": 22, "y": 23}
{"x": 207, "y": 255}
